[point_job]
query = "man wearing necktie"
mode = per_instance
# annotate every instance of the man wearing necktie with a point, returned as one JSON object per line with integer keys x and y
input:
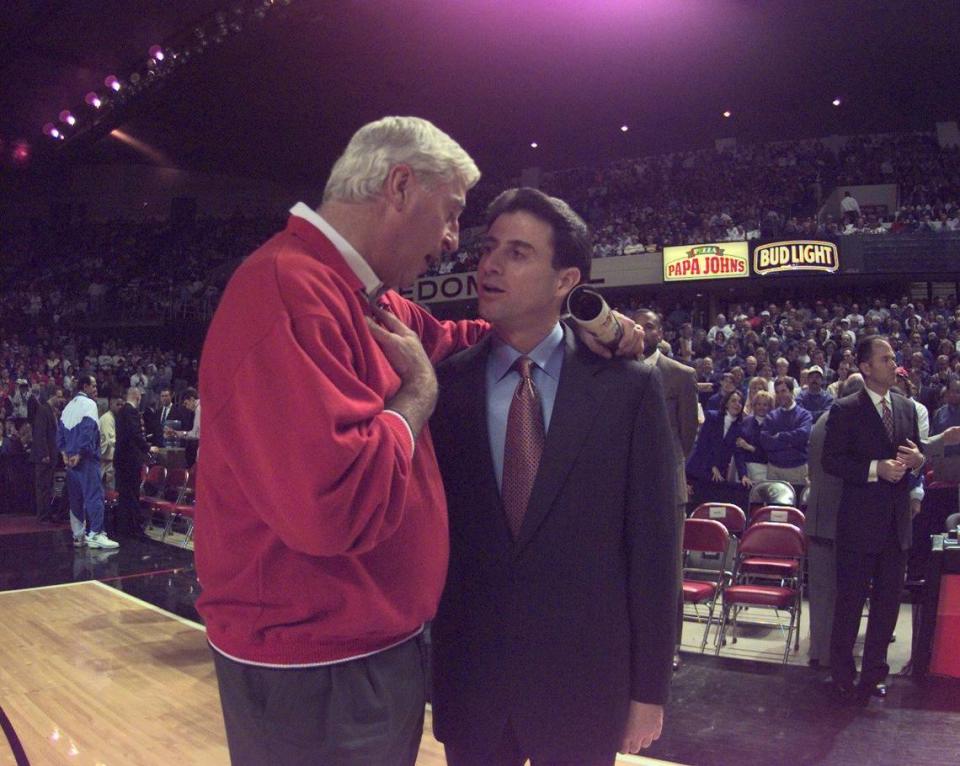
{"x": 555, "y": 634}
{"x": 871, "y": 444}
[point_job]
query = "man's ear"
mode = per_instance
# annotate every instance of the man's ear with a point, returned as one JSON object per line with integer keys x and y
{"x": 396, "y": 187}
{"x": 567, "y": 280}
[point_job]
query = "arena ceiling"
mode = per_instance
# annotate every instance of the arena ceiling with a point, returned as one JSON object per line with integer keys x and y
{"x": 279, "y": 98}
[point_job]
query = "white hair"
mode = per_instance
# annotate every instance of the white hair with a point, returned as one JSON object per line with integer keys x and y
{"x": 360, "y": 172}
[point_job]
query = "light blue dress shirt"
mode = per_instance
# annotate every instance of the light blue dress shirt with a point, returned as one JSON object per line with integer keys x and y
{"x": 501, "y": 383}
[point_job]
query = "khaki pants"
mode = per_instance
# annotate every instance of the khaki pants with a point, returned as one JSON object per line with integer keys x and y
{"x": 797, "y": 475}
{"x": 107, "y": 474}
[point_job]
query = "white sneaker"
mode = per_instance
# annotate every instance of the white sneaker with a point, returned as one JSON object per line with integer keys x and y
{"x": 79, "y": 541}
{"x": 100, "y": 540}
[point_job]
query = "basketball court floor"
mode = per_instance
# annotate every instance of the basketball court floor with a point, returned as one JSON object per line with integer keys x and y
{"x": 103, "y": 661}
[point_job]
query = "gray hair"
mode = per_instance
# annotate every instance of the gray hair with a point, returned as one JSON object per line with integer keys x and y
{"x": 360, "y": 172}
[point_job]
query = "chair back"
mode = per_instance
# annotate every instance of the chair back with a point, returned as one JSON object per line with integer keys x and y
{"x": 779, "y": 514}
{"x": 705, "y": 536}
{"x": 177, "y": 479}
{"x": 773, "y": 492}
{"x": 772, "y": 539}
{"x": 154, "y": 481}
{"x": 728, "y": 514}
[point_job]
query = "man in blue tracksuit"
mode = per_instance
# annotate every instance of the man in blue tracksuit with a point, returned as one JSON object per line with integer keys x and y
{"x": 78, "y": 439}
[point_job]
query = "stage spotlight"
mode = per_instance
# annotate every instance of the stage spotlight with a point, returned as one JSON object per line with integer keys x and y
{"x": 534, "y": 145}
{"x": 112, "y": 82}
{"x": 156, "y": 52}
{"x": 624, "y": 128}
{"x": 21, "y": 152}
{"x": 727, "y": 113}
{"x": 51, "y": 130}
{"x": 836, "y": 102}
{"x": 93, "y": 100}
{"x": 68, "y": 118}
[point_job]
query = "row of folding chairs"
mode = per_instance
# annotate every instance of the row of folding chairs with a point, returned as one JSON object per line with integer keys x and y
{"x": 730, "y": 565}
{"x": 167, "y": 496}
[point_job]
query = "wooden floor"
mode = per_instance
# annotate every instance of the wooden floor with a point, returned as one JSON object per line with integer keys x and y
{"x": 92, "y": 676}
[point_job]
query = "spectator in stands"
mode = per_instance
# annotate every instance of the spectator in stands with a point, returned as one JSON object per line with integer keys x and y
{"x": 727, "y": 384}
{"x": 814, "y": 399}
{"x": 712, "y": 464}
{"x": 731, "y": 357}
{"x": 752, "y": 454}
{"x": 784, "y": 435}
{"x": 949, "y": 414}
{"x": 721, "y": 328}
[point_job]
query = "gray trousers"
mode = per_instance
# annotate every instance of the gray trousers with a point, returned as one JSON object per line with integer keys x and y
{"x": 366, "y": 711}
{"x": 822, "y": 585}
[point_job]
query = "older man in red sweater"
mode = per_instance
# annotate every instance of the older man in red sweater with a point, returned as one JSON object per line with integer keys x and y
{"x": 321, "y": 531}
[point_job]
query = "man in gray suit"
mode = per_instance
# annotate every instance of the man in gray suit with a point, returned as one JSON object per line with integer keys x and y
{"x": 680, "y": 391}
{"x": 821, "y": 528}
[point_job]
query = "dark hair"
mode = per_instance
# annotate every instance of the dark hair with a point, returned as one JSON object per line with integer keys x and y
{"x": 726, "y": 400}
{"x": 572, "y": 243}
{"x": 865, "y": 348}
{"x": 658, "y": 320}
{"x": 787, "y": 380}
{"x": 190, "y": 393}
{"x": 86, "y": 380}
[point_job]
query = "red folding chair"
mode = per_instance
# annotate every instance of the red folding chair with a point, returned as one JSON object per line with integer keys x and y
{"x": 705, "y": 585}
{"x": 780, "y": 514}
{"x": 728, "y": 514}
{"x": 151, "y": 488}
{"x": 766, "y": 540}
{"x": 183, "y": 508}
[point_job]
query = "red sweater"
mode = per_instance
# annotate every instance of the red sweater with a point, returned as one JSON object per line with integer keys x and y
{"x": 319, "y": 536}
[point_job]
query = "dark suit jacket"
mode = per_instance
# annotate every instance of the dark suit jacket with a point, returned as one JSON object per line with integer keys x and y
{"x": 855, "y": 437}
{"x": 44, "y": 435}
{"x": 715, "y": 449}
{"x": 680, "y": 392}
{"x": 132, "y": 449}
{"x": 559, "y": 629}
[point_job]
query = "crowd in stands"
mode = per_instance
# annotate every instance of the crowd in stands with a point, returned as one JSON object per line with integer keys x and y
{"x": 122, "y": 269}
{"x": 751, "y": 192}
{"x": 33, "y": 367}
{"x": 767, "y": 373}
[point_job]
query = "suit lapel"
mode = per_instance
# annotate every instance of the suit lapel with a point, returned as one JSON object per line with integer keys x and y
{"x": 578, "y": 396}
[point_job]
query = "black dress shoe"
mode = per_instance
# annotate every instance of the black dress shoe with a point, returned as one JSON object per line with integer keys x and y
{"x": 872, "y": 690}
{"x": 844, "y": 693}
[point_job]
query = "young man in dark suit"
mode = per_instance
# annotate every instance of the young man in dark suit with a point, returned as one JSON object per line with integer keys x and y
{"x": 555, "y": 633}
{"x": 871, "y": 444}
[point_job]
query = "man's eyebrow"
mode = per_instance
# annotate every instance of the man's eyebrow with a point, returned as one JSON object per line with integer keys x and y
{"x": 515, "y": 242}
